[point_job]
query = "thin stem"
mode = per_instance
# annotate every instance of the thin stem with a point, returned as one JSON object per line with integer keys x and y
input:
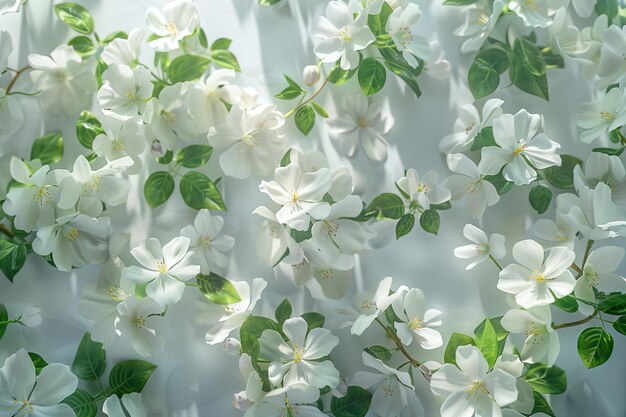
{"x": 575, "y": 323}
{"x": 587, "y": 250}
{"x": 15, "y": 78}
{"x": 5, "y": 230}
{"x": 576, "y": 268}
{"x": 495, "y": 262}
{"x": 622, "y": 137}
{"x": 307, "y": 101}
{"x": 21, "y": 93}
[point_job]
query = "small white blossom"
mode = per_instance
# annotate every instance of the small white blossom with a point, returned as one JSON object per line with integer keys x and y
{"x": 602, "y": 116}
{"x": 557, "y": 232}
{"x": 541, "y": 339}
{"x": 399, "y": 25}
{"x": 469, "y": 124}
{"x": 426, "y": 190}
{"x": 599, "y": 273}
{"x": 608, "y": 169}
{"x": 179, "y": 19}
{"x": 138, "y": 320}
{"x": 121, "y": 138}
{"x": 208, "y": 242}
{"x": 206, "y": 99}
{"x": 124, "y": 51}
{"x": 479, "y": 22}
{"x": 124, "y": 91}
{"x": 482, "y": 247}
{"x": 417, "y": 322}
{"x": 273, "y": 240}
{"x": 132, "y": 406}
{"x": 290, "y": 400}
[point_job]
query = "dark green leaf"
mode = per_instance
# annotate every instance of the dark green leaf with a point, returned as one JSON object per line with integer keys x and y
{"x": 4, "y": 316}
{"x": 496, "y": 58}
{"x": 187, "y": 68}
{"x": 194, "y": 156}
{"x": 355, "y": 403}
{"x": 339, "y": 76}
{"x": 405, "y": 225}
{"x": 158, "y": 188}
{"x": 528, "y": 69}
{"x": 83, "y": 45}
{"x": 595, "y": 346}
{"x": 200, "y": 192}
{"x": 562, "y": 176}
{"x": 115, "y": 35}
{"x": 608, "y": 7}
{"x": 372, "y": 76}
{"x": 379, "y": 352}
{"x": 250, "y": 332}
{"x": 12, "y": 258}
{"x": 76, "y": 17}
{"x": 567, "y": 303}
{"x": 286, "y": 159}
{"x": 283, "y": 311}
{"x": 610, "y": 151}
{"x": 483, "y": 139}
{"x": 225, "y": 59}
{"x": 540, "y": 198}
{"x": 313, "y": 320}
{"x": 130, "y": 376}
{"x": 48, "y": 149}
{"x": 38, "y": 362}
{"x": 387, "y": 205}
{"x": 90, "y": 359}
{"x": 305, "y": 119}
{"x": 446, "y": 205}
{"x": 541, "y": 405}
{"x": 167, "y": 158}
{"x": 613, "y": 304}
{"x": 378, "y": 22}
{"x": 217, "y": 289}
{"x": 546, "y": 380}
{"x": 82, "y": 403}
{"x": 502, "y": 185}
{"x": 87, "y": 128}
{"x": 456, "y": 340}
{"x": 100, "y": 68}
{"x": 430, "y": 221}
{"x": 619, "y": 325}
{"x": 482, "y": 79}
{"x": 501, "y": 332}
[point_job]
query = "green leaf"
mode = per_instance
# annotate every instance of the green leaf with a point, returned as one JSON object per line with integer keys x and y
{"x": 567, "y": 303}
{"x": 202, "y": 39}
{"x": 502, "y": 185}
{"x": 482, "y": 78}
{"x": 200, "y": 192}
{"x": 483, "y": 139}
{"x": 430, "y": 221}
{"x": 396, "y": 63}
{"x": 540, "y": 198}
{"x": 613, "y": 304}
{"x": 319, "y": 109}
{"x": 220, "y": 44}
{"x": 562, "y": 176}
{"x": 595, "y": 346}
{"x": 546, "y": 379}
{"x": 194, "y": 156}
{"x": 501, "y": 332}
{"x": 340, "y": 76}
{"x": 115, "y": 35}
{"x": 82, "y": 403}
{"x": 90, "y": 359}
{"x": 446, "y": 205}
{"x": 487, "y": 342}
{"x": 225, "y": 59}
{"x": 378, "y": 22}
{"x": 313, "y": 320}
{"x": 12, "y": 258}
{"x": 372, "y": 75}
{"x": 48, "y": 149}
{"x": 4, "y": 316}
{"x": 494, "y": 57}
{"x": 405, "y": 225}
{"x": 87, "y": 128}
{"x": 292, "y": 90}
{"x": 268, "y": 2}
{"x": 250, "y": 332}
{"x": 541, "y": 405}
{"x": 167, "y": 158}
{"x": 456, "y": 340}
{"x": 283, "y": 311}
{"x": 608, "y": 7}
{"x": 305, "y": 119}
{"x": 83, "y": 46}
{"x": 286, "y": 159}
{"x": 379, "y": 352}
{"x": 610, "y": 151}
{"x": 528, "y": 69}
{"x": 38, "y": 362}
{"x": 158, "y": 188}
{"x": 130, "y": 376}
{"x": 387, "y": 205}
{"x": 100, "y": 68}
{"x": 619, "y": 325}
{"x": 76, "y": 17}
{"x": 459, "y": 2}
{"x": 187, "y": 68}
{"x": 217, "y": 289}
{"x": 355, "y": 403}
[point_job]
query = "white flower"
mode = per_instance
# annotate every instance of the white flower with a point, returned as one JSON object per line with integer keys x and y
{"x": 482, "y": 247}
{"x": 437, "y": 65}
{"x": 124, "y": 51}
{"x": 340, "y": 36}
{"x": 133, "y": 406}
{"x": 300, "y": 195}
{"x": 10, "y": 6}
{"x": 600, "y": 167}
{"x": 323, "y": 281}
{"x": 65, "y": 81}
{"x": 124, "y": 91}
{"x": 518, "y": 148}
{"x": 557, "y": 232}
{"x": 206, "y": 99}
{"x": 534, "y": 281}
{"x": 511, "y": 363}
{"x": 90, "y": 189}
{"x": 235, "y": 314}
{"x": 612, "y": 64}
{"x": 582, "y": 46}
{"x": 602, "y": 116}
{"x": 231, "y": 346}
{"x": 250, "y": 140}
{"x": 393, "y": 392}
{"x": 208, "y": 242}
{"x": 417, "y": 322}
{"x": 479, "y": 22}
{"x": 121, "y": 138}
{"x": 6, "y": 47}
{"x": 425, "y": 191}
{"x": 541, "y": 339}
{"x": 33, "y": 202}
{"x": 253, "y": 393}
{"x": 399, "y": 25}
{"x": 469, "y": 124}
{"x": 532, "y": 14}
{"x": 290, "y": 400}
{"x": 22, "y": 392}
{"x": 367, "y": 306}
{"x": 361, "y": 123}
{"x": 297, "y": 360}
{"x": 179, "y": 19}
{"x": 29, "y": 315}
{"x": 599, "y": 273}
{"x": 11, "y": 115}
{"x": 470, "y": 184}
{"x": 366, "y": 6}
{"x": 74, "y": 240}
{"x": 165, "y": 270}
{"x": 138, "y": 320}
{"x": 471, "y": 389}
{"x": 310, "y": 75}
{"x": 273, "y": 240}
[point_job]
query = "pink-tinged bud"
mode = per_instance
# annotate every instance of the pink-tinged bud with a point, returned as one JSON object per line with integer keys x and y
{"x": 232, "y": 346}
{"x": 157, "y": 149}
{"x": 310, "y": 75}
{"x": 241, "y": 401}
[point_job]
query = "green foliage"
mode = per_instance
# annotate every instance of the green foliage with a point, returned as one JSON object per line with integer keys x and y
{"x": 90, "y": 359}
{"x": 194, "y": 156}
{"x": 268, "y": 2}
{"x": 483, "y": 139}
{"x": 379, "y": 352}
{"x": 38, "y": 362}
{"x": 130, "y": 376}
{"x": 340, "y": 76}
{"x": 405, "y": 225}
{"x": 528, "y": 68}
{"x": 482, "y": 78}
{"x": 562, "y": 176}
{"x": 430, "y": 221}
{"x": 540, "y": 197}
{"x": 459, "y": 2}
{"x": 567, "y": 303}
{"x": 487, "y": 341}
{"x": 82, "y": 403}
{"x": 319, "y": 109}
{"x": 305, "y": 119}
{"x": 217, "y": 289}
{"x": 48, "y": 149}
{"x": 595, "y": 346}
{"x": 158, "y": 188}
{"x": 372, "y": 76}
{"x": 355, "y": 403}
{"x": 313, "y": 320}
{"x": 4, "y": 317}
{"x": 614, "y": 304}
{"x": 608, "y": 7}
{"x": 546, "y": 379}
{"x": 87, "y": 128}
{"x": 386, "y": 205}
{"x": 220, "y": 43}
{"x": 76, "y": 17}
{"x": 83, "y": 46}
{"x": 283, "y": 311}
{"x": 200, "y": 192}
{"x": 456, "y": 340}
{"x": 502, "y": 185}
{"x": 541, "y": 405}
{"x": 12, "y": 257}
{"x": 619, "y": 325}
{"x": 187, "y": 68}
{"x": 250, "y": 332}
{"x": 292, "y": 90}
{"x": 225, "y": 59}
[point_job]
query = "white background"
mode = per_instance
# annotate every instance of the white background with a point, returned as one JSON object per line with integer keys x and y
{"x": 194, "y": 379}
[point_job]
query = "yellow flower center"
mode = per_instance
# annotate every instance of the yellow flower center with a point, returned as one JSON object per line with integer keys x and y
{"x": 249, "y": 140}
{"x": 117, "y": 294}
{"x": 294, "y": 197}
{"x": 362, "y": 123}
{"x": 345, "y": 35}
{"x": 139, "y": 321}
{"x": 414, "y": 323}
{"x": 519, "y": 150}
{"x": 298, "y": 352}
{"x": 161, "y": 267}
{"x": 41, "y": 196}
{"x": 171, "y": 27}
{"x": 119, "y": 144}
{"x": 538, "y": 276}
{"x": 70, "y": 233}
{"x": 607, "y": 116}
{"x": 206, "y": 242}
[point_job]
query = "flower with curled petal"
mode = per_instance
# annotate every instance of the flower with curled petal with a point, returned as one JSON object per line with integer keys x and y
{"x": 138, "y": 320}
{"x": 208, "y": 242}
{"x": 290, "y": 400}
{"x": 481, "y": 248}
{"x": 599, "y": 274}
{"x": 417, "y": 323}
{"x": 179, "y": 19}
{"x": 132, "y": 406}
{"x": 399, "y": 25}
{"x": 124, "y": 91}
{"x": 536, "y": 324}
{"x": 124, "y": 51}
{"x": 469, "y": 124}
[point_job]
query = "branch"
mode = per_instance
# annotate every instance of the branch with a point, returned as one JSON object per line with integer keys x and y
{"x": 419, "y": 365}
{"x": 16, "y": 77}
{"x": 575, "y": 323}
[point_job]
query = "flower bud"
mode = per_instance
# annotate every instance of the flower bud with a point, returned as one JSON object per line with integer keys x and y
{"x": 157, "y": 149}
{"x": 30, "y": 316}
{"x": 241, "y": 401}
{"x": 232, "y": 346}
{"x": 310, "y": 75}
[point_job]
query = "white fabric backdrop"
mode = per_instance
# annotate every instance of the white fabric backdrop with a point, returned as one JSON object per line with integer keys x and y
{"x": 194, "y": 379}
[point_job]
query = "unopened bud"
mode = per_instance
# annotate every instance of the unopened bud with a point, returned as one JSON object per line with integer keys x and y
{"x": 241, "y": 401}
{"x": 31, "y": 316}
{"x": 157, "y": 149}
{"x": 232, "y": 346}
{"x": 310, "y": 75}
